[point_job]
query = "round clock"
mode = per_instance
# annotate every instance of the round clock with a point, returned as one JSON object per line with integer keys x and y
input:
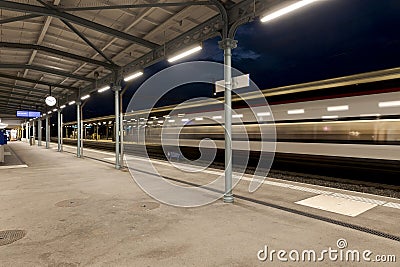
{"x": 50, "y": 101}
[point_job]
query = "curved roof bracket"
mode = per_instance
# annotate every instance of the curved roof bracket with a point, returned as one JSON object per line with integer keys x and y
{"x": 224, "y": 15}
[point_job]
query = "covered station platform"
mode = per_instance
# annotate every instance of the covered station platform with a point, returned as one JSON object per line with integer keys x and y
{"x": 85, "y": 212}
{"x": 85, "y": 209}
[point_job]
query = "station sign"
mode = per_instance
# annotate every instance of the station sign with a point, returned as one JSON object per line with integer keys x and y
{"x": 28, "y": 114}
{"x": 237, "y": 82}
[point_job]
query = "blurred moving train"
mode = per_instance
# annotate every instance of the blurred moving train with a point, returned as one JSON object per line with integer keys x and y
{"x": 364, "y": 126}
{"x": 354, "y": 129}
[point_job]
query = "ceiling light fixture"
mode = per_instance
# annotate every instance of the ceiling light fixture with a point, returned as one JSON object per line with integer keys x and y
{"x": 185, "y": 53}
{"x": 286, "y": 10}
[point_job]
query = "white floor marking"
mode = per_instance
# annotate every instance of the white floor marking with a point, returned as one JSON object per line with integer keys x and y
{"x": 14, "y": 166}
{"x": 361, "y": 199}
{"x": 310, "y": 190}
{"x": 92, "y": 150}
{"x": 392, "y": 205}
{"x": 338, "y": 205}
{"x": 7, "y": 153}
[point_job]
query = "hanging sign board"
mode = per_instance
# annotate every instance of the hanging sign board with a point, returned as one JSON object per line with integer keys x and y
{"x": 28, "y": 114}
{"x": 237, "y": 82}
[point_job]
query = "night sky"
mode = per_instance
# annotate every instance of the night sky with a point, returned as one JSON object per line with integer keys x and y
{"x": 327, "y": 39}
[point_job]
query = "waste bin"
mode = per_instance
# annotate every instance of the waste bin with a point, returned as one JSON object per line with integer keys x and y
{"x": 32, "y": 141}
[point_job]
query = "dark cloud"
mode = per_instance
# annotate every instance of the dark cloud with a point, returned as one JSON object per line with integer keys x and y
{"x": 242, "y": 53}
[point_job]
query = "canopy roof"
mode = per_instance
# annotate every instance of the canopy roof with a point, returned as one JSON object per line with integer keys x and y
{"x": 76, "y": 46}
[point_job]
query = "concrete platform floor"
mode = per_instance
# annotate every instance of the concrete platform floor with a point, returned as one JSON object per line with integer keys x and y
{"x": 83, "y": 212}
{"x": 11, "y": 160}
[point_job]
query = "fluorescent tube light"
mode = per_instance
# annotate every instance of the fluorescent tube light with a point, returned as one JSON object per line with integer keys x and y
{"x": 133, "y": 76}
{"x": 286, "y": 10}
{"x": 101, "y": 90}
{"x": 185, "y": 54}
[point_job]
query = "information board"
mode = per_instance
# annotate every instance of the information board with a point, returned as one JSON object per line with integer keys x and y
{"x": 28, "y": 114}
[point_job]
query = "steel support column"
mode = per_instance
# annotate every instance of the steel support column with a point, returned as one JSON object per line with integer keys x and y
{"x": 61, "y": 134}
{"x": 33, "y": 132}
{"x": 121, "y": 123}
{"x": 22, "y": 131}
{"x": 47, "y": 132}
{"x": 59, "y": 129}
{"x": 83, "y": 130}
{"x": 28, "y": 134}
{"x": 227, "y": 45}
{"x": 39, "y": 132}
{"x": 79, "y": 129}
{"x": 116, "y": 89}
